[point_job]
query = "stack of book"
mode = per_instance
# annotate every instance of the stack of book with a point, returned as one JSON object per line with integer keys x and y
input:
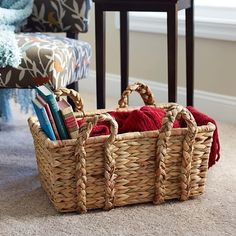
{"x": 56, "y": 118}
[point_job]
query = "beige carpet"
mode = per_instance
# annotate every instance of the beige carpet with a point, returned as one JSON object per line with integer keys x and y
{"x": 26, "y": 210}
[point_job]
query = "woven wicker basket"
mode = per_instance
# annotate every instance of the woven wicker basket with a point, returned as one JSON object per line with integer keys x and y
{"x": 122, "y": 169}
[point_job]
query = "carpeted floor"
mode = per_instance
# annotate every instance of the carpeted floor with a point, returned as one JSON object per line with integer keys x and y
{"x": 26, "y": 210}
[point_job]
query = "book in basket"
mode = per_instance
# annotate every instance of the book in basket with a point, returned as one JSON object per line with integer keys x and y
{"x": 43, "y": 119}
{"x": 49, "y": 113}
{"x": 69, "y": 118}
{"x": 49, "y": 97}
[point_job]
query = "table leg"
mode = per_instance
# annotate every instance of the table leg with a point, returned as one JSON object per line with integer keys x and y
{"x": 100, "y": 56}
{"x": 172, "y": 29}
{"x": 190, "y": 53}
{"x": 124, "y": 49}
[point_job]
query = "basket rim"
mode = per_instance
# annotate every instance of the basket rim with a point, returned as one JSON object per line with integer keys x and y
{"x": 33, "y": 123}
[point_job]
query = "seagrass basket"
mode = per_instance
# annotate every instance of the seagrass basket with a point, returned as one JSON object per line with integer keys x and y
{"x": 121, "y": 169}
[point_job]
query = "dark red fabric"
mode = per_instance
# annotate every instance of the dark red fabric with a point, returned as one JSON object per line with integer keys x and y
{"x": 145, "y": 119}
{"x": 100, "y": 129}
{"x": 150, "y": 118}
{"x": 203, "y": 119}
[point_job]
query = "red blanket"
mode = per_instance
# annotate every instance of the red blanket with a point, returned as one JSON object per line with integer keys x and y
{"x": 202, "y": 119}
{"x": 149, "y": 118}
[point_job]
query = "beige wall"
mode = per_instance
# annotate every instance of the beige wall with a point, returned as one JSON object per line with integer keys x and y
{"x": 215, "y": 60}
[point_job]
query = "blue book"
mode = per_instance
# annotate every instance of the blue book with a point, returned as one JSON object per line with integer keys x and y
{"x": 49, "y": 97}
{"x": 43, "y": 119}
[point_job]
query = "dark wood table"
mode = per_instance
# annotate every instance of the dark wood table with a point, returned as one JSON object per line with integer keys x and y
{"x": 171, "y": 7}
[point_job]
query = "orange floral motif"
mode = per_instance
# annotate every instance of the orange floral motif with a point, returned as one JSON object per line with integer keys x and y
{"x": 52, "y": 19}
{"x": 58, "y": 67}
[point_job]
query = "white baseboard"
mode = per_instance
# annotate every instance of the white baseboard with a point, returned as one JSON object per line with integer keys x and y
{"x": 220, "y": 107}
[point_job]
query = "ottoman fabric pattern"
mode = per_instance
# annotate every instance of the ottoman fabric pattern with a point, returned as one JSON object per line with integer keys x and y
{"x": 59, "y": 16}
{"x": 56, "y": 60}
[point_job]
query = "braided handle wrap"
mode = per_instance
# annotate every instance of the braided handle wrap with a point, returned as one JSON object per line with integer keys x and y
{"x": 142, "y": 89}
{"x": 165, "y": 132}
{"x": 75, "y": 96}
{"x": 80, "y": 153}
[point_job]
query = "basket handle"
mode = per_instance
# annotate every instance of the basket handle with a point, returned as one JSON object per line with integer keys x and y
{"x": 142, "y": 89}
{"x": 74, "y": 95}
{"x": 165, "y": 132}
{"x": 110, "y": 163}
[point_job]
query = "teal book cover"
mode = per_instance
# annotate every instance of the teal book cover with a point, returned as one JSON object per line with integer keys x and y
{"x": 43, "y": 119}
{"x": 49, "y": 97}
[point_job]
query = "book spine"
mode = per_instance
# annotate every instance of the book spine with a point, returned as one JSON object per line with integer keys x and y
{"x": 50, "y": 116}
{"x": 70, "y": 122}
{"x": 52, "y": 122}
{"x": 44, "y": 122}
{"x": 57, "y": 117}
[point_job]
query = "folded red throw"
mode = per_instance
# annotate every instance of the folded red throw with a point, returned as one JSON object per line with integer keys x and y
{"x": 146, "y": 119}
{"x": 150, "y": 118}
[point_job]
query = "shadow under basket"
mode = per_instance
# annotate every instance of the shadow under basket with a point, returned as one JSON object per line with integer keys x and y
{"x": 122, "y": 169}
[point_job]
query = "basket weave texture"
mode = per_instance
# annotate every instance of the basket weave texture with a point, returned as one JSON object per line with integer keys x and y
{"x": 121, "y": 169}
